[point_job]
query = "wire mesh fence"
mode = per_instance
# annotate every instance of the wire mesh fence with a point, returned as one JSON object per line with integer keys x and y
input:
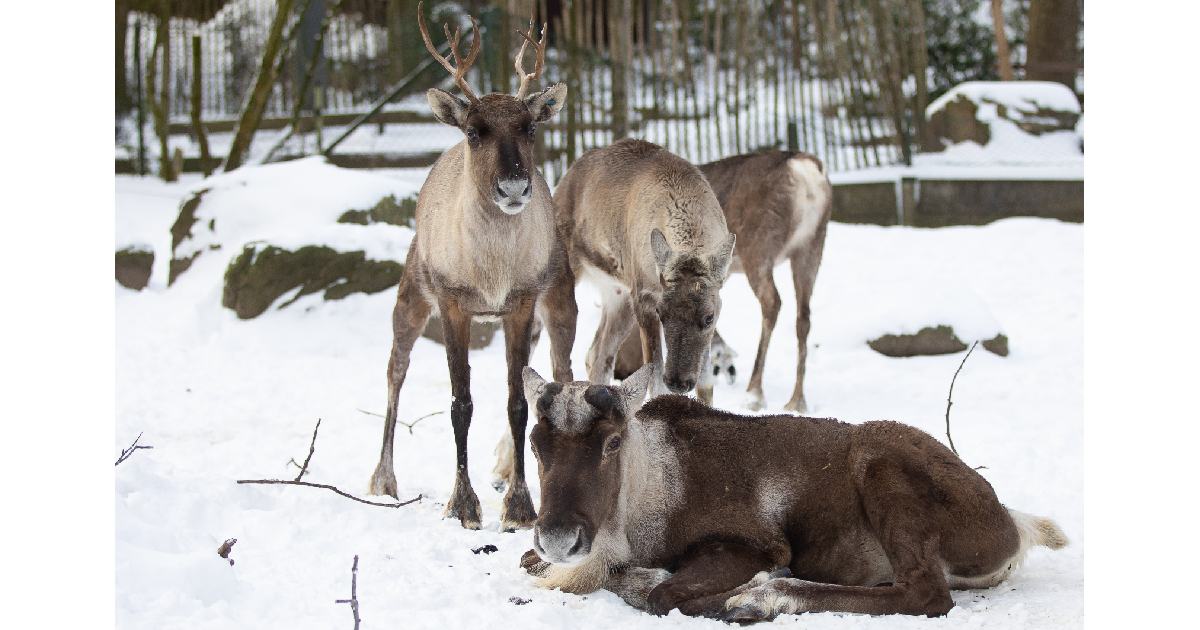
{"x": 843, "y": 79}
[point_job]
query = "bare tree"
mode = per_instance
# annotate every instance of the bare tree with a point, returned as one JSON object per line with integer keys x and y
{"x": 1003, "y": 59}
{"x": 256, "y": 103}
{"x": 1052, "y": 52}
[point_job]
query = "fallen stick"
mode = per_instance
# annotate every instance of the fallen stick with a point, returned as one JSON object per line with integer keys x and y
{"x": 353, "y": 601}
{"x": 127, "y": 452}
{"x": 950, "y": 402}
{"x": 289, "y": 482}
{"x": 312, "y": 446}
{"x": 408, "y": 425}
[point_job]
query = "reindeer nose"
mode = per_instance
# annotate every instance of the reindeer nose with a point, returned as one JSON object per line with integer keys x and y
{"x": 513, "y": 188}
{"x": 561, "y": 545}
{"x": 680, "y": 385}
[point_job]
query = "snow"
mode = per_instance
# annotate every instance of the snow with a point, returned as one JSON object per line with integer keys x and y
{"x": 222, "y": 399}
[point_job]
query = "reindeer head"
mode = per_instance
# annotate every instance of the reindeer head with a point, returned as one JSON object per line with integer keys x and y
{"x": 499, "y": 128}
{"x": 689, "y": 308}
{"x": 578, "y": 445}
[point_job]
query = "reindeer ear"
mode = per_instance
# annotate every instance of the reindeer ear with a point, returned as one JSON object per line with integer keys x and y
{"x": 447, "y": 107}
{"x": 662, "y": 251}
{"x": 633, "y": 388}
{"x": 545, "y": 104}
{"x": 721, "y": 260}
{"x": 533, "y": 384}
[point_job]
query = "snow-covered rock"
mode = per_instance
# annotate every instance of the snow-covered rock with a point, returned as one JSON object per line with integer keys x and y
{"x": 133, "y": 266}
{"x": 983, "y": 112}
{"x": 292, "y": 229}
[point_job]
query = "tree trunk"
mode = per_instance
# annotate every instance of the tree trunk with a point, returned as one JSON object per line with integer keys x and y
{"x": 257, "y": 102}
{"x": 124, "y": 103}
{"x": 197, "y": 125}
{"x": 1052, "y": 49}
{"x": 916, "y": 15}
{"x": 1003, "y": 59}
{"x": 618, "y": 23}
{"x": 162, "y": 109}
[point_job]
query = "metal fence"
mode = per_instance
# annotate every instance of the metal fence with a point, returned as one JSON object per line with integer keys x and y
{"x": 706, "y": 78}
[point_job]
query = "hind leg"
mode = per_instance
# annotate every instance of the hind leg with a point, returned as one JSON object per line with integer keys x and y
{"x": 408, "y": 321}
{"x": 758, "y": 273}
{"x": 805, "y": 262}
{"x": 899, "y": 512}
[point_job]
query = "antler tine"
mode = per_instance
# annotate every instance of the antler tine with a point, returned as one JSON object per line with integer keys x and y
{"x": 460, "y": 67}
{"x": 539, "y": 46}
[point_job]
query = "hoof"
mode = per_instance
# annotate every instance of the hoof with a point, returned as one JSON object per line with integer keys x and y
{"x": 533, "y": 564}
{"x": 796, "y": 406}
{"x": 744, "y": 615}
{"x": 499, "y": 485}
{"x": 383, "y": 482}
{"x": 464, "y": 506}
{"x": 755, "y": 401}
{"x": 518, "y": 512}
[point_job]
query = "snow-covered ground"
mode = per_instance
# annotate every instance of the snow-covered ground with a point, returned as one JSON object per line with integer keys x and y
{"x": 222, "y": 399}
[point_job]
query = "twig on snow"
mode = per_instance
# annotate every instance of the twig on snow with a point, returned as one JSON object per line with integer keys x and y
{"x": 292, "y": 482}
{"x": 312, "y": 446}
{"x": 407, "y": 425}
{"x": 353, "y": 601}
{"x": 950, "y": 396}
{"x": 225, "y": 548}
{"x": 127, "y": 452}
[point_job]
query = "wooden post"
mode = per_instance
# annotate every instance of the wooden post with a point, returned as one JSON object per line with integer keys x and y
{"x": 162, "y": 109}
{"x": 916, "y": 13}
{"x": 141, "y": 97}
{"x": 257, "y": 102}
{"x": 197, "y": 126}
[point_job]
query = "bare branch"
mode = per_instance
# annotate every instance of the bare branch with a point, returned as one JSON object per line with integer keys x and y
{"x": 353, "y": 601}
{"x": 950, "y": 396}
{"x": 127, "y": 452}
{"x": 312, "y": 446}
{"x": 460, "y": 66}
{"x": 289, "y": 482}
{"x": 407, "y": 425}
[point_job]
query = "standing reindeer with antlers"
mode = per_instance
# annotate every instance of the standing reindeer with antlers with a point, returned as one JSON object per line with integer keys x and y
{"x": 485, "y": 248}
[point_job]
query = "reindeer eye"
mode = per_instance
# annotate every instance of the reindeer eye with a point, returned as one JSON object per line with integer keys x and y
{"x": 613, "y": 444}
{"x": 472, "y": 134}
{"x": 707, "y": 321}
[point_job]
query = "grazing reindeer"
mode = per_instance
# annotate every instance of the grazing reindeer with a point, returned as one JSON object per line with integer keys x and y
{"x": 485, "y": 247}
{"x": 877, "y": 518}
{"x": 720, "y": 361}
{"x": 778, "y": 205}
{"x": 646, "y": 227}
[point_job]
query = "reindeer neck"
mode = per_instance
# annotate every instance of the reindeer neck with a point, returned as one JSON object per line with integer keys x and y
{"x": 651, "y": 486}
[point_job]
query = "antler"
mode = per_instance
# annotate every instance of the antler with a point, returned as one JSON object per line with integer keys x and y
{"x": 539, "y": 46}
{"x": 460, "y": 67}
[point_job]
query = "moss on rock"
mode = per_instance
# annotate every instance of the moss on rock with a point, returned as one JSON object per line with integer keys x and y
{"x": 133, "y": 267}
{"x": 387, "y": 210}
{"x": 481, "y": 334}
{"x": 181, "y": 230}
{"x": 261, "y": 274}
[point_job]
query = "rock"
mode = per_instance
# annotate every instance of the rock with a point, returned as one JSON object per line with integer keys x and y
{"x": 133, "y": 265}
{"x": 932, "y": 340}
{"x": 482, "y": 333}
{"x": 388, "y": 210}
{"x": 968, "y": 111}
{"x": 181, "y": 230}
{"x": 262, "y": 273}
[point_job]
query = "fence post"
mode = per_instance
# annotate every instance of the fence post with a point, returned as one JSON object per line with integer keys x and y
{"x": 206, "y": 165}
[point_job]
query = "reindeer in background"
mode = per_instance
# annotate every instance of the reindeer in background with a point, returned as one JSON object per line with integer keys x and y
{"x": 485, "y": 248}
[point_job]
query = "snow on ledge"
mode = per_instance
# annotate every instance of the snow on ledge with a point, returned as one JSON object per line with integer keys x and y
{"x": 1021, "y": 96}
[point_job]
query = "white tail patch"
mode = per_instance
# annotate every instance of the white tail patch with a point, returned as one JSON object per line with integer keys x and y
{"x": 1032, "y": 531}
{"x": 811, "y": 195}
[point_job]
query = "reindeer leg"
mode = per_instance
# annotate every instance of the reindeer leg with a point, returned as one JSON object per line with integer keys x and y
{"x": 704, "y": 385}
{"x": 805, "y": 262}
{"x": 518, "y": 512}
{"x": 456, "y": 329}
{"x": 651, "y": 329}
{"x": 712, "y": 569}
{"x": 559, "y": 312}
{"x": 762, "y": 282}
{"x": 615, "y": 324}
{"x": 899, "y": 513}
{"x": 408, "y": 321}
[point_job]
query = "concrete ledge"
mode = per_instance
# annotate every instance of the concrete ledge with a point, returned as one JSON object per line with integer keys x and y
{"x": 942, "y": 202}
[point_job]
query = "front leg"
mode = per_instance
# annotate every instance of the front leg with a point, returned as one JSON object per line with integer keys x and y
{"x": 708, "y": 570}
{"x": 632, "y": 584}
{"x": 456, "y": 327}
{"x": 518, "y": 512}
{"x": 646, "y": 309}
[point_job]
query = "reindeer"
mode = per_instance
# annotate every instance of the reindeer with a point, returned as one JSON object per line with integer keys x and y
{"x": 644, "y": 225}
{"x": 778, "y": 204}
{"x": 678, "y": 505}
{"x": 720, "y": 361}
{"x": 485, "y": 248}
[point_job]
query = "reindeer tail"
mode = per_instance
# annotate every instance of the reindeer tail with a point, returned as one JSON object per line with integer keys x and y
{"x": 1037, "y": 530}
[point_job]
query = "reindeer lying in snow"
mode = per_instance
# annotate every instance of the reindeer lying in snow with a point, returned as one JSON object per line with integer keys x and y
{"x": 679, "y": 505}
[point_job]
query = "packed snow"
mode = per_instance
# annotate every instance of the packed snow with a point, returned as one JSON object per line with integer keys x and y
{"x": 222, "y": 399}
